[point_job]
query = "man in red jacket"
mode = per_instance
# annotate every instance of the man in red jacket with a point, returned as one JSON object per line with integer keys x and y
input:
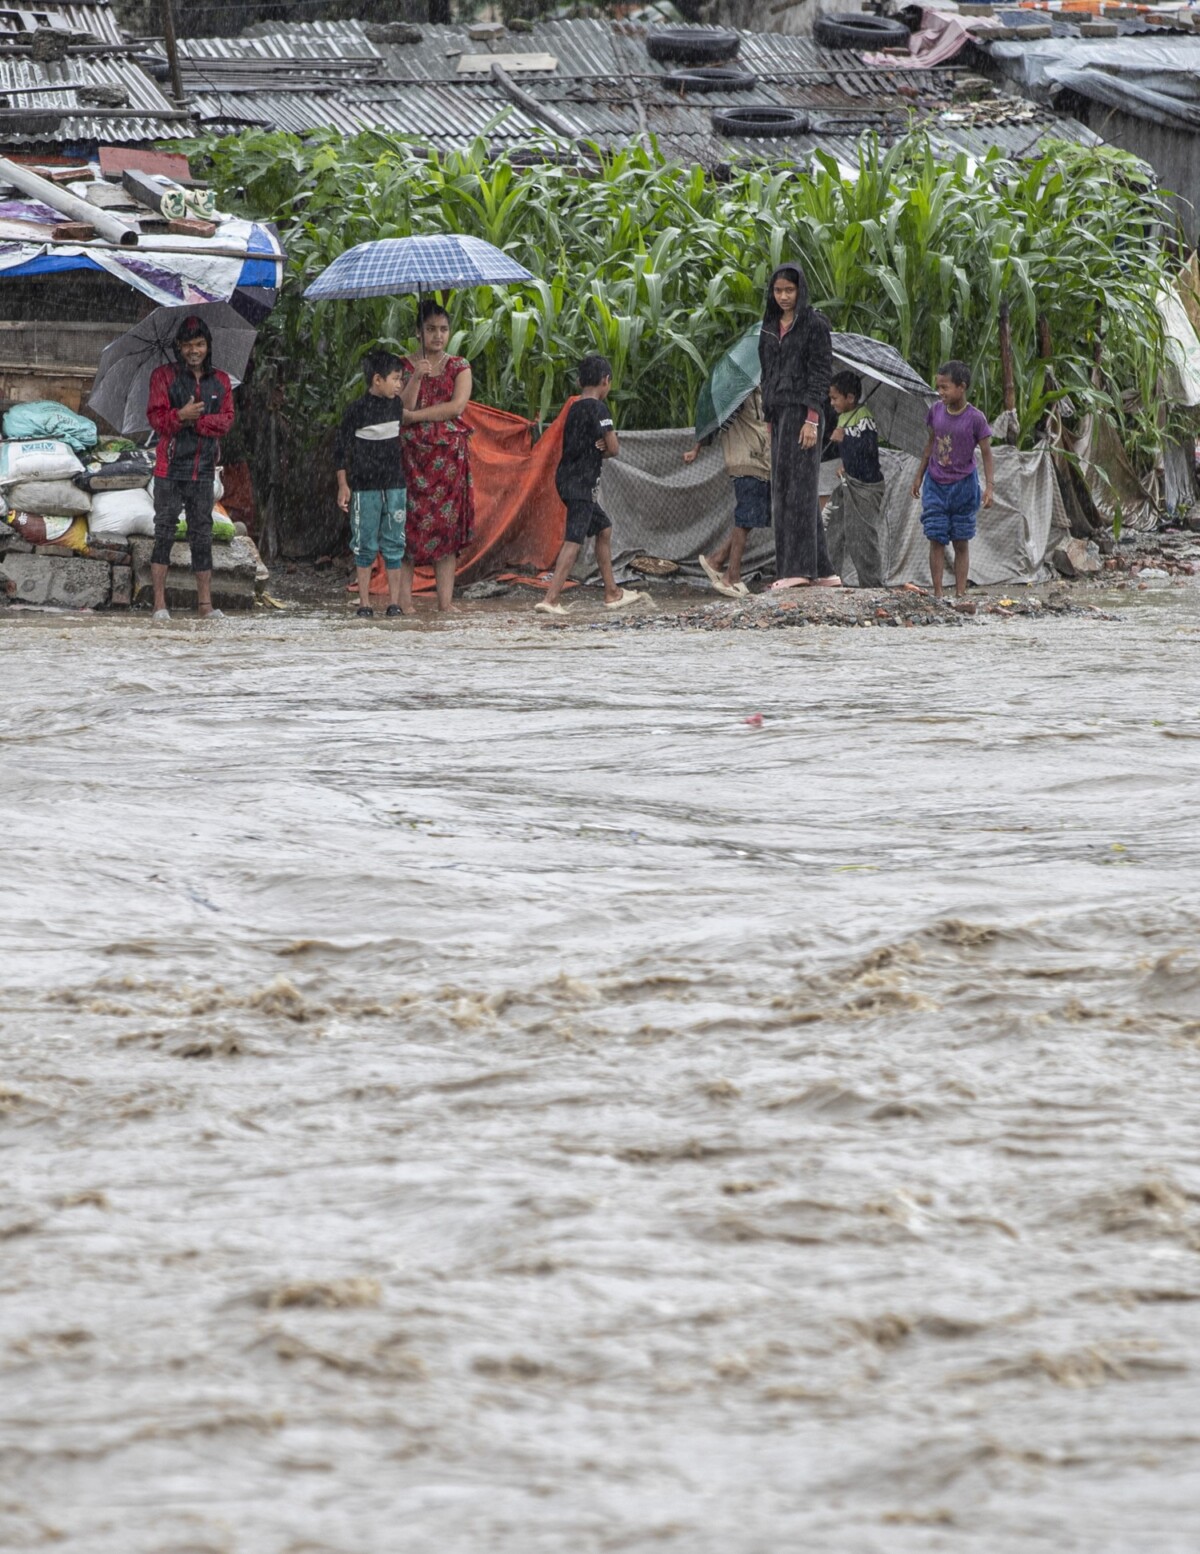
{"x": 191, "y": 409}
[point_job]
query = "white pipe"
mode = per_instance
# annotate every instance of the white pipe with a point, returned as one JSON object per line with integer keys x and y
{"x": 66, "y": 203}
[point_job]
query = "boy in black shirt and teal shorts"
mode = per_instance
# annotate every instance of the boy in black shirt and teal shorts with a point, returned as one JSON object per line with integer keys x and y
{"x": 370, "y": 477}
{"x": 588, "y": 439}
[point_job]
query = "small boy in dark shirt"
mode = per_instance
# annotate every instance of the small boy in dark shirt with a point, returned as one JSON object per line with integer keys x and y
{"x": 588, "y": 439}
{"x": 854, "y": 515}
{"x": 370, "y": 477}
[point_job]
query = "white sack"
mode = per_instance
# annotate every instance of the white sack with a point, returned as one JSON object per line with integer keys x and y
{"x": 58, "y": 497}
{"x": 45, "y": 459}
{"x": 122, "y": 512}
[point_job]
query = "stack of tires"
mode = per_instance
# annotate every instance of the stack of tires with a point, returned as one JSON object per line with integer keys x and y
{"x": 705, "y": 55}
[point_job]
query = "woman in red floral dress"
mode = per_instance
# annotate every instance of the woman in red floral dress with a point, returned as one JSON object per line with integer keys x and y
{"x": 437, "y": 471}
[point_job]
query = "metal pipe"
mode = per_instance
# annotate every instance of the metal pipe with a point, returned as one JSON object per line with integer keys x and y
{"x": 148, "y": 248}
{"x": 67, "y": 204}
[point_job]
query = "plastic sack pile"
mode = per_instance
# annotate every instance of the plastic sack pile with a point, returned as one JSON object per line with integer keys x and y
{"x": 60, "y": 483}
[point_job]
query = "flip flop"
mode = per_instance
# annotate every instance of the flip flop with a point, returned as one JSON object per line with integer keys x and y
{"x": 730, "y": 590}
{"x": 628, "y": 596}
{"x": 544, "y": 607}
{"x": 709, "y": 571}
{"x": 161, "y": 618}
{"x": 789, "y": 582}
{"x": 828, "y": 582}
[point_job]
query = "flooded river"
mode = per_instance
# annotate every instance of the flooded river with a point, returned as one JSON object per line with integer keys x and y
{"x": 470, "y": 1092}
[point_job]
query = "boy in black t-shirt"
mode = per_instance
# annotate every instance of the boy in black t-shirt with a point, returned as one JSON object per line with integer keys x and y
{"x": 588, "y": 439}
{"x": 855, "y": 531}
{"x": 370, "y": 477}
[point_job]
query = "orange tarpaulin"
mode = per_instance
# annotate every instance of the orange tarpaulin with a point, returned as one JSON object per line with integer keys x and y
{"x": 519, "y": 519}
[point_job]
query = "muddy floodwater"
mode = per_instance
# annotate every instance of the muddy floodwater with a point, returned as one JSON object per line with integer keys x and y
{"x": 468, "y": 1091}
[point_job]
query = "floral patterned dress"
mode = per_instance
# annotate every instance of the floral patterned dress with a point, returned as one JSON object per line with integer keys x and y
{"x": 437, "y": 472}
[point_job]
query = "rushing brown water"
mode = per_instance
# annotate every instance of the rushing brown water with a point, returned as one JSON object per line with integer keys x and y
{"x": 468, "y": 1092}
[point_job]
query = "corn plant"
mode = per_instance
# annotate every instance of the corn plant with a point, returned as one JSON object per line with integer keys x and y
{"x": 660, "y": 267}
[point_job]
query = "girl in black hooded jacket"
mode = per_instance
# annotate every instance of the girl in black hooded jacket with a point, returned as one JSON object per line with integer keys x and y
{"x": 797, "y": 363}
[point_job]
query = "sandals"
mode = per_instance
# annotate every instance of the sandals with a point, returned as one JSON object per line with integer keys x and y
{"x": 544, "y": 607}
{"x": 709, "y": 571}
{"x": 627, "y": 596}
{"x": 392, "y": 611}
{"x": 365, "y": 612}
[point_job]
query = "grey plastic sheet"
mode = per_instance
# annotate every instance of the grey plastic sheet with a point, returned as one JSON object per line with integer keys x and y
{"x": 662, "y": 507}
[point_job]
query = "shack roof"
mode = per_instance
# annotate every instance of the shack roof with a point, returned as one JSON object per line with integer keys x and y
{"x": 83, "y": 98}
{"x": 351, "y": 76}
{"x": 93, "y": 19}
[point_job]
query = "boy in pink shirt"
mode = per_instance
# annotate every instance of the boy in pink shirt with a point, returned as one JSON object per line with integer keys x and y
{"x": 946, "y": 482}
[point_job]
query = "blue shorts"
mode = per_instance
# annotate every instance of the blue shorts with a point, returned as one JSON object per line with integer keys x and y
{"x": 752, "y": 502}
{"x": 377, "y": 527}
{"x": 949, "y": 512}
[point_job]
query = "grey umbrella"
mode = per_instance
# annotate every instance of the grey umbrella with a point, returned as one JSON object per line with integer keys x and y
{"x": 897, "y": 394}
{"x": 122, "y": 385}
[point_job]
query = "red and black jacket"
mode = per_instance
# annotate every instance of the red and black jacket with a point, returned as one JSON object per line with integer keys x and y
{"x": 189, "y": 452}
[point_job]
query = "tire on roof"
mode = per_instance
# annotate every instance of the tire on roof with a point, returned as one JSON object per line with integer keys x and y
{"x": 692, "y": 45}
{"x": 761, "y": 123}
{"x": 710, "y": 78}
{"x": 852, "y": 30}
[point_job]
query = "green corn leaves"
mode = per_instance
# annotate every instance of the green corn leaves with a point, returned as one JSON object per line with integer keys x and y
{"x": 660, "y": 267}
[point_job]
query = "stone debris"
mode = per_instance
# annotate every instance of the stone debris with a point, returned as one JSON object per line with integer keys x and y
{"x": 1078, "y": 558}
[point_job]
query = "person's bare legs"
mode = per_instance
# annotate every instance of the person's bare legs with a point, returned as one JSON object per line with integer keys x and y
{"x": 962, "y": 565}
{"x": 937, "y": 562}
{"x": 443, "y": 578}
{"x": 604, "y": 561}
{"x": 567, "y": 558}
{"x": 204, "y": 604}
{"x": 395, "y": 581}
{"x": 737, "y": 549}
{"x": 363, "y": 574}
{"x": 405, "y": 600}
{"x": 158, "y": 575}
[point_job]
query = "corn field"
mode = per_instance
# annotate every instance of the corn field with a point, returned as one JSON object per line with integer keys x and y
{"x": 660, "y": 267}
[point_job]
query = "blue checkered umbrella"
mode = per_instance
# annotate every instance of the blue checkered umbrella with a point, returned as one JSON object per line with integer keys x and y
{"x": 445, "y": 262}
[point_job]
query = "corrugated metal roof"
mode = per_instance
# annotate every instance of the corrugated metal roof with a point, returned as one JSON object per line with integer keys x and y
{"x": 99, "y": 19}
{"x": 343, "y": 75}
{"x": 53, "y": 87}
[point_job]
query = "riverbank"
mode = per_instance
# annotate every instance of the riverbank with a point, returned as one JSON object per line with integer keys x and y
{"x": 1138, "y": 563}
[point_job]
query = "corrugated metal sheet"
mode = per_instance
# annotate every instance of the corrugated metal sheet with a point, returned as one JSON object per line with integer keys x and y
{"x": 53, "y": 88}
{"x": 99, "y": 20}
{"x": 342, "y": 75}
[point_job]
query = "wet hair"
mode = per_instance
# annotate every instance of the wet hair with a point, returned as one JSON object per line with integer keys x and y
{"x": 431, "y": 308}
{"x": 193, "y": 329}
{"x": 787, "y": 272}
{"x": 849, "y": 384}
{"x": 593, "y": 370}
{"x": 380, "y": 364}
{"x": 958, "y": 373}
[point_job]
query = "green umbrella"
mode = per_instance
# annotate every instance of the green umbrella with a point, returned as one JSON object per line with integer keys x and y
{"x": 732, "y": 380}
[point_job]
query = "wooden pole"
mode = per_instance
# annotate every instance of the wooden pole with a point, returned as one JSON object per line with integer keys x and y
{"x": 536, "y": 110}
{"x": 1006, "y": 367}
{"x": 172, "y": 48}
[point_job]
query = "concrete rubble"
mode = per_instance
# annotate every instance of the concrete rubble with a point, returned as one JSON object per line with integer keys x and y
{"x": 114, "y": 574}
